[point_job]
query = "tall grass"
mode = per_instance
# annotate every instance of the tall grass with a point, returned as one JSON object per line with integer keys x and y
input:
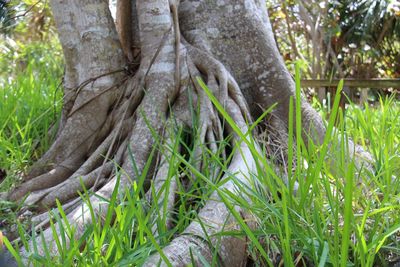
{"x": 339, "y": 216}
{"x": 29, "y": 106}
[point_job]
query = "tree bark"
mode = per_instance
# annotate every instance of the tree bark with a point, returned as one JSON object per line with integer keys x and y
{"x": 242, "y": 39}
{"x": 114, "y": 103}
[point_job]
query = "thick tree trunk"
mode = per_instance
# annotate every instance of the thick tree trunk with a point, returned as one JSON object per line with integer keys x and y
{"x": 239, "y": 34}
{"x": 114, "y": 103}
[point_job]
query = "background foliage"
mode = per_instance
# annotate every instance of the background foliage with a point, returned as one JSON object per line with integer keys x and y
{"x": 30, "y": 76}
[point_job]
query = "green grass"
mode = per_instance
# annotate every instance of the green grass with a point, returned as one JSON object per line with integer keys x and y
{"x": 340, "y": 216}
{"x": 29, "y": 107}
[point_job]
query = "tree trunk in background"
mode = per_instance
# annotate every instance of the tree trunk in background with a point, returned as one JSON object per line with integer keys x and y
{"x": 112, "y": 99}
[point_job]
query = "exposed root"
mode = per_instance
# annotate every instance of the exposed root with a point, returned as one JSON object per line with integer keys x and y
{"x": 80, "y": 216}
{"x": 215, "y": 216}
{"x": 117, "y": 122}
{"x": 138, "y": 119}
{"x": 42, "y": 220}
{"x": 164, "y": 185}
{"x": 147, "y": 115}
{"x": 209, "y": 122}
{"x": 49, "y": 179}
{"x": 57, "y": 177}
{"x": 80, "y": 133}
{"x": 140, "y": 152}
{"x": 226, "y": 84}
{"x": 68, "y": 189}
{"x": 173, "y": 4}
{"x": 120, "y": 130}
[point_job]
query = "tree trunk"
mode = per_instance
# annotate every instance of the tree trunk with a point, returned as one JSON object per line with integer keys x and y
{"x": 115, "y": 101}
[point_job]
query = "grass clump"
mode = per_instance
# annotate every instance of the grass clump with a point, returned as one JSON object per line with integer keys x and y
{"x": 30, "y": 101}
{"x": 340, "y": 215}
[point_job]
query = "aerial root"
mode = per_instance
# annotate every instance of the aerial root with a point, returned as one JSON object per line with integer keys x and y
{"x": 226, "y": 84}
{"x": 80, "y": 214}
{"x": 209, "y": 122}
{"x": 216, "y": 216}
{"x": 105, "y": 149}
{"x": 99, "y": 108}
{"x": 129, "y": 126}
{"x": 223, "y": 86}
{"x": 69, "y": 188}
{"x": 55, "y": 175}
{"x": 77, "y": 214}
{"x": 164, "y": 186}
{"x": 42, "y": 221}
{"x": 49, "y": 179}
{"x": 62, "y": 183}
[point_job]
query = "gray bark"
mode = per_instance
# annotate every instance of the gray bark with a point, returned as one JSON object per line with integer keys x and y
{"x": 228, "y": 42}
{"x": 239, "y": 34}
